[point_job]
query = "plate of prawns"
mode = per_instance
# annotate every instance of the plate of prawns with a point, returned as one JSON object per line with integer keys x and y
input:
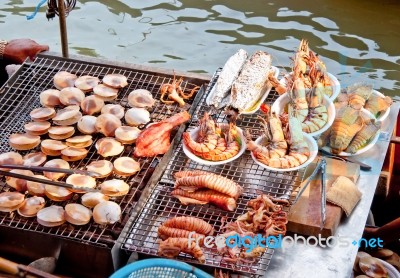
{"x": 213, "y": 144}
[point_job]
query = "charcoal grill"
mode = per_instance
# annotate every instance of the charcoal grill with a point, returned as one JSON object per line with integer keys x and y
{"x": 20, "y": 95}
{"x": 140, "y": 234}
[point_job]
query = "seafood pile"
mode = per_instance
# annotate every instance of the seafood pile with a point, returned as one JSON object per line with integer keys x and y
{"x": 282, "y": 143}
{"x": 263, "y": 217}
{"x": 214, "y": 142}
{"x": 243, "y": 81}
{"x": 201, "y": 187}
{"x": 173, "y": 92}
{"x": 351, "y": 130}
{"x": 360, "y": 96}
{"x": 175, "y": 234}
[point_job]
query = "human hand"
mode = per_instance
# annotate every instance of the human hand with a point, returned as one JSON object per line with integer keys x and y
{"x": 16, "y": 51}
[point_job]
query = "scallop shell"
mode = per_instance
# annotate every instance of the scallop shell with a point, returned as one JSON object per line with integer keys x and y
{"x": 57, "y": 193}
{"x": 127, "y": 134}
{"x": 37, "y": 128}
{"x": 102, "y": 167}
{"x": 91, "y": 199}
{"x": 107, "y": 124}
{"x": 36, "y": 188}
{"x": 42, "y": 114}
{"x": 10, "y": 201}
{"x": 31, "y": 206}
{"x": 67, "y": 116}
{"x": 137, "y": 116}
{"x": 35, "y": 159}
{"x": 92, "y": 105}
{"x": 81, "y": 141}
{"x": 71, "y": 96}
{"x": 115, "y": 109}
{"x": 114, "y": 188}
{"x": 141, "y": 98}
{"x": 87, "y": 124}
{"x": 16, "y": 183}
{"x": 81, "y": 181}
{"x": 61, "y": 132}
{"x": 86, "y": 83}
{"x": 106, "y": 212}
{"x": 126, "y": 166}
{"x": 77, "y": 214}
{"x": 105, "y": 92}
{"x": 50, "y": 98}
{"x": 52, "y": 147}
{"x": 10, "y": 158}
{"x": 73, "y": 153}
{"x": 51, "y": 216}
{"x": 115, "y": 80}
{"x": 109, "y": 147}
{"x": 23, "y": 141}
{"x": 63, "y": 79}
{"x": 56, "y": 163}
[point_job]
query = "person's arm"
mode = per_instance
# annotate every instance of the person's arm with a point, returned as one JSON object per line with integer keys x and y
{"x": 16, "y": 51}
{"x": 388, "y": 233}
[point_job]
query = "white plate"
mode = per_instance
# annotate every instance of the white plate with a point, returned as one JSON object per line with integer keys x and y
{"x": 392, "y": 271}
{"x": 335, "y": 85}
{"x": 312, "y": 145}
{"x": 259, "y": 102}
{"x": 281, "y": 103}
{"x": 192, "y": 156}
{"x": 383, "y": 116}
{"x": 371, "y": 143}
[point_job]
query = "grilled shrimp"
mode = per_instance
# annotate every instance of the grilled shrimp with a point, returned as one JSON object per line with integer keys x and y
{"x": 182, "y": 174}
{"x": 205, "y": 196}
{"x": 211, "y": 181}
{"x": 167, "y": 232}
{"x": 363, "y": 136}
{"x": 358, "y": 95}
{"x": 209, "y": 143}
{"x": 172, "y": 246}
{"x": 190, "y": 224}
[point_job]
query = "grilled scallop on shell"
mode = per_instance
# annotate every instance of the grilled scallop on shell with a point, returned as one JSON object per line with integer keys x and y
{"x": 141, "y": 98}
{"x": 115, "y": 109}
{"x": 114, "y": 188}
{"x": 127, "y": 134}
{"x": 37, "y": 128}
{"x": 92, "y": 105}
{"x": 10, "y": 158}
{"x": 87, "y": 124}
{"x": 103, "y": 167}
{"x": 17, "y": 183}
{"x": 137, "y": 116}
{"x": 34, "y": 159}
{"x": 91, "y": 199}
{"x": 23, "y": 141}
{"x": 107, "y": 124}
{"x": 51, "y": 216}
{"x": 77, "y": 214}
{"x": 126, "y": 166}
{"x": 71, "y": 96}
{"x": 115, "y": 80}
{"x": 105, "y": 92}
{"x": 81, "y": 181}
{"x": 80, "y": 141}
{"x": 73, "y": 153}
{"x": 68, "y": 116}
{"x": 63, "y": 79}
{"x": 56, "y": 163}
{"x": 10, "y": 201}
{"x": 42, "y": 114}
{"x": 57, "y": 193}
{"x": 52, "y": 147}
{"x": 61, "y": 132}
{"x": 37, "y": 188}
{"x": 106, "y": 212}
{"x": 86, "y": 83}
{"x": 108, "y": 147}
{"x": 31, "y": 206}
{"x": 50, "y": 98}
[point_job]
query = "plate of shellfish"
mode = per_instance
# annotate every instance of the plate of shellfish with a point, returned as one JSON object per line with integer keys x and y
{"x": 353, "y": 132}
{"x": 283, "y": 146}
{"x": 213, "y": 144}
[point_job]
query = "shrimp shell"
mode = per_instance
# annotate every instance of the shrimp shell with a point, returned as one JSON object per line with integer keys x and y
{"x": 362, "y": 137}
{"x": 190, "y": 224}
{"x": 211, "y": 181}
{"x": 167, "y": 232}
{"x": 205, "y": 196}
{"x": 172, "y": 246}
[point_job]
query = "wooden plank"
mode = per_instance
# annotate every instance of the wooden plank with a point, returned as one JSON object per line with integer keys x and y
{"x": 305, "y": 215}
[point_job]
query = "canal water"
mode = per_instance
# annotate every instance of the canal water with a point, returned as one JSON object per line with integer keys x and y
{"x": 359, "y": 41}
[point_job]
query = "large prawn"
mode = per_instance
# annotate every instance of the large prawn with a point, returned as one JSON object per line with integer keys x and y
{"x": 172, "y": 246}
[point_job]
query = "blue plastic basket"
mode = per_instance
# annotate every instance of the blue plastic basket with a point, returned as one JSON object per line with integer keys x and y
{"x": 159, "y": 268}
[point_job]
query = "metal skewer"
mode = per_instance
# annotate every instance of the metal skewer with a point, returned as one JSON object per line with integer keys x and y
{"x": 50, "y": 169}
{"x": 323, "y": 192}
{"x": 50, "y": 182}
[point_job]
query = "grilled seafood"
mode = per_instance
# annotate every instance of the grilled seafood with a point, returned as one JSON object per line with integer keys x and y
{"x": 377, "y": 105}
{"x": 155, "y": 139}
{"x": 358, "y": 95}
{"x": 347, "y": 123}
{"x": 227, "y": 76}
{"x": 363, "y": 136}
{"x": 189, "y": 223}
{"x": 175, "y": 93}
{"x": 164, "y": 232}
{"x": 206, "y": 196}
{"x": 210, "y": 181}
{"x": 172, "y": 246}
{"x": 252, "y": 81}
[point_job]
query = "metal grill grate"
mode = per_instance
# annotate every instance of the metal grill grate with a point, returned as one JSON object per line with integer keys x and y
{"x": 21, "y": 95}
{"x": 142, "y": 236}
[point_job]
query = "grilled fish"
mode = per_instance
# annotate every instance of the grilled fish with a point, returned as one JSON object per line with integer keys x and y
{"x": 252, "y": 81}
{"x": 228, "y": 74}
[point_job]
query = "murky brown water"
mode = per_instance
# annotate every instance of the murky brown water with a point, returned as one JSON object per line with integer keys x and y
{"x": 358, "y": 40}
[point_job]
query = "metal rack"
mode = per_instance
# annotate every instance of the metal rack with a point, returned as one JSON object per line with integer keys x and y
{"x": 141, "y": 236}
{"x": 21, "y": 95}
